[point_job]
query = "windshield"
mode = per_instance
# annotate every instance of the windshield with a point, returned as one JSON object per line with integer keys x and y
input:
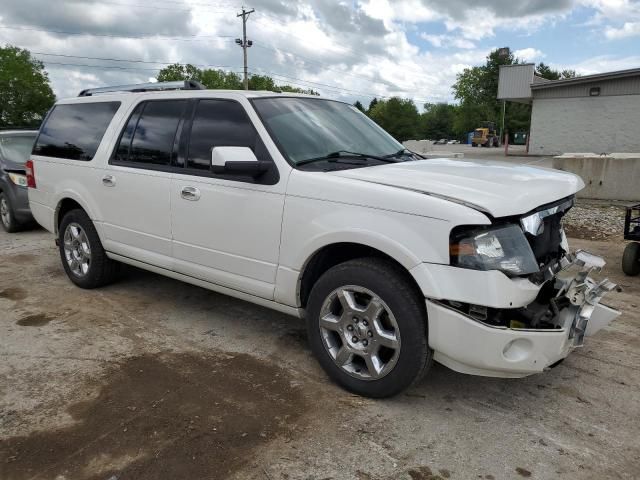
{"x": 17, "y": 148}
{"x": 307, "y": 128}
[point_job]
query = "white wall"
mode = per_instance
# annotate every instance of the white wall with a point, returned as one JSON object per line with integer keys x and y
{"x": 585, "y": 124}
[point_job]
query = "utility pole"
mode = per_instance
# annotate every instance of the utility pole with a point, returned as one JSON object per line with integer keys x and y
{"x": 244, "y": 43}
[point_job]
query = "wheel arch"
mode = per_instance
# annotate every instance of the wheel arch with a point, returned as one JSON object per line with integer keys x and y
{"x": 67, "y": 203}
{"x": 329, "y": 255}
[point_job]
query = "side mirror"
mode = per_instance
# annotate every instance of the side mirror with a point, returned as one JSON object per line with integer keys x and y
{"x": 237, "y": 160}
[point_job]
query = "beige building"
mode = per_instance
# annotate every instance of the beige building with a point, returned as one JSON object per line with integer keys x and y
{"x": 592, "y": 113}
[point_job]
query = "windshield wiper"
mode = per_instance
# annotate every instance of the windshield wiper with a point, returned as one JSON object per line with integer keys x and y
{"x": 405, "y": 152}
{"x": 334, "y": 156}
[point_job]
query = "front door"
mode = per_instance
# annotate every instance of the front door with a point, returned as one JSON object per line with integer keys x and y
{"x": 226, "y": 229}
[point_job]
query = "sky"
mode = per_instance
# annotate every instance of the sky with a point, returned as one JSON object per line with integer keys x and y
{"x": 349, "y": 50}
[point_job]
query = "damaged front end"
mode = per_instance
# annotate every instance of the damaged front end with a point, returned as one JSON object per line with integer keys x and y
{"x": 525, "y": 339}
{"x": 569, "y": 300}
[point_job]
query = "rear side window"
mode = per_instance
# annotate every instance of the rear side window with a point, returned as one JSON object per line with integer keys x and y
{"x": 221, "y": 123}
{"x": 74, "y": 131}
{"x": 150, "y": 134}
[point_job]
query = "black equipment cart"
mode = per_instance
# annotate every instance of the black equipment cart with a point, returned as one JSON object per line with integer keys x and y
{"x": 631, "y": 256}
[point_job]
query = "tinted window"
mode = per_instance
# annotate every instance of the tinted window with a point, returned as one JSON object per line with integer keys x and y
{"x": 221, "y": 123}
{"x": 155, "y": 132}
{"x": 74, "y": 131}
{"x": 122, "y": 152}
{"x": 15, "y": 149}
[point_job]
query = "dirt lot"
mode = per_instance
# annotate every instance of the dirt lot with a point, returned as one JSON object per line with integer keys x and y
{"x": 151, "y": 378}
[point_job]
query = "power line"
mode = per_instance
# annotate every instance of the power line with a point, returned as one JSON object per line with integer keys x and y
{"x": 104, "y": 67}
{"x": 129, "y": 60}
{"x": 318, "y": 84}
{"x": 150, "y": 35}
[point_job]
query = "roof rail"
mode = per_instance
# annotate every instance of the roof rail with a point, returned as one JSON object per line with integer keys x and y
{"x": 145, "y": 87}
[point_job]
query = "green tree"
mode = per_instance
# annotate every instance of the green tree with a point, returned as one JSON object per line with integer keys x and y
{"x": 372, "y": 105}
{"x": 25, "y": 92}
{"x": 176, "y": 72}
{"x": 477, "y": 87}
{"x": 477, "y": 90}
{"x": 437, "y": 121}
{"x": 397, "y": 116}
{"x": 545, "y": 71}
{"x": 217, "y": 79}
{"x": 359, "y": 106}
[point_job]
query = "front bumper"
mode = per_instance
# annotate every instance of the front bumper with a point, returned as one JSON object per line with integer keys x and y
{"x": 468, "y": 345}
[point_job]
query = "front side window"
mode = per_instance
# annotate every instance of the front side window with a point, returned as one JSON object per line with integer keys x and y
{"x": 221, "y": 123}
{"x": 15, "y": 149}
{"x": 152, "y": 139}
{"x": 74, "y": 131}
{"x": 307, "y": 128}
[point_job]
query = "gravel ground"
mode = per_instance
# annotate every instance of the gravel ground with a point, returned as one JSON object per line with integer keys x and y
{"x": 595, "y": 220}
{"x": 152, "y": 378}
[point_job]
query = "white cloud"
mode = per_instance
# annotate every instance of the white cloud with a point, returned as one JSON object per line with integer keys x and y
{"x": 604, "y": 63}
{"x": 629, "y": 29}
{"x": 447, "y": 41}
{"x": 529, "y": 54}
{"x": 348, "y": 50}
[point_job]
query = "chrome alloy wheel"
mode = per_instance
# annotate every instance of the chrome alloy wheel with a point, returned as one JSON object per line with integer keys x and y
{"x": 5, "y": 216}
{"x": 77, "y": 251}
{"x": 360, "y": 332}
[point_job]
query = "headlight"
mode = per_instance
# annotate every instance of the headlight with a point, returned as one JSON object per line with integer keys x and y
{"x": 503, "y": 248}
{"x": 18, "y": 179}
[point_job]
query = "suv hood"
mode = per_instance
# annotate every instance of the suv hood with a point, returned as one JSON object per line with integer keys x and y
{"x": 498, "y": 188}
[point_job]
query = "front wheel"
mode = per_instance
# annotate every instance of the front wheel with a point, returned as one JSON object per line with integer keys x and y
{"x": 631, "y": 259}
{"x": 367, "y": 327}
{"x": 83, "y": 257}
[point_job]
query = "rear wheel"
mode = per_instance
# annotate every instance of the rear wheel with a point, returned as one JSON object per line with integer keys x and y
{"x": 631, "y": 259}
{"x": 367, "y": 327}
{"x": 83, "y": 257}
{"x": 7, "y": 218}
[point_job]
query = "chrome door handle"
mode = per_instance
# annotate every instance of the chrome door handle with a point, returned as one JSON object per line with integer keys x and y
{"x": 190, "y": 193}
{"x": 109, "y": 181}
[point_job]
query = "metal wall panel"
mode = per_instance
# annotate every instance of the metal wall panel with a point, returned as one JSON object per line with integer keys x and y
{"x": 619, "y": 86}
{"x": 515, "y": 82}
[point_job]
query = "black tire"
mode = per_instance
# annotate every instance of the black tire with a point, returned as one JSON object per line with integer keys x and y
{"x": 631, "y": 259}
{"x": 102, "y": 270}
{"x": 391, "y": 284}
{"x": 474, "y": 144}
{"x": 8, "y": 222}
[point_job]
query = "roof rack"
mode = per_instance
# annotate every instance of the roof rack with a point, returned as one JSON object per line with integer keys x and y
{"x": 145, "y": 87}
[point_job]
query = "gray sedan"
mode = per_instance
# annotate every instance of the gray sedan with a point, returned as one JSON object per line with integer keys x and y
{"x": 15, "y": 148}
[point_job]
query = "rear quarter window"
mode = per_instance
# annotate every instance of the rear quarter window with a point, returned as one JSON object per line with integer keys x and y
{"x": 74, "y": 131}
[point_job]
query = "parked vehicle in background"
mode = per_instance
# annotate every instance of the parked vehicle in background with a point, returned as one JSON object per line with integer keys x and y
{"x": 305, "y": 205}
{"x": 442, "y": 141}
{"x": 15, "y": 148}
{"x": 453, "y": 142}
{"x": 485, "y": 136}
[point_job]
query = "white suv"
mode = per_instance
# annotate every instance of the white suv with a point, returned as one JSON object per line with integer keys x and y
{"x": 304, "y": 205}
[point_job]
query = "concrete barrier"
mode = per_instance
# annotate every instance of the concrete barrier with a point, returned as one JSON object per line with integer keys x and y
{"x": 614, "y": 176}
{"x": 419, "y": 146}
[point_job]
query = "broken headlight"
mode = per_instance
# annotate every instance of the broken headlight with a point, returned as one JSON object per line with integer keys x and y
{"x": 503, "y": 248}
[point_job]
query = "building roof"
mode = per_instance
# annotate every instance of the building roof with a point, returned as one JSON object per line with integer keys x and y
{"x": 598, "y": 77}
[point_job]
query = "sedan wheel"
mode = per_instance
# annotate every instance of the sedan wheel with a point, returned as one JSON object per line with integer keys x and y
{"x": 4, "y": 212}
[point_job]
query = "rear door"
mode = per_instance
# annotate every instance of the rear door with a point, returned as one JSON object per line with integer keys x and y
{"x": 226, "y": 228}
{"x": 136, "y": 185}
